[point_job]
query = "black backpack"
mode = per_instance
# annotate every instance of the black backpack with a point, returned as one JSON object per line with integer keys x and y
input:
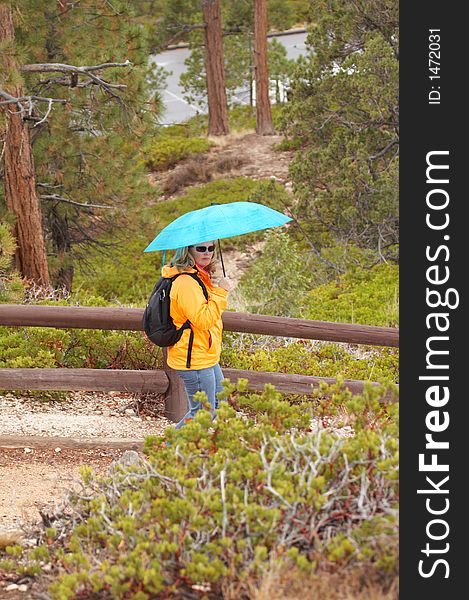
{"x": 157, "y": 322}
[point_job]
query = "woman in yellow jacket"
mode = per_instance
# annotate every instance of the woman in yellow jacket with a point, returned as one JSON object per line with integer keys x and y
{"x": 200, "y": 372}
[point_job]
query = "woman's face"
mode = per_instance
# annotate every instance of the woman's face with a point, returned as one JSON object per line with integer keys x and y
{"x": 203, "y": 253}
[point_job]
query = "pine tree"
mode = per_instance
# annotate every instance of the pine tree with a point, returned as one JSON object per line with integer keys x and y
{"x": 11, "y": 288}
{"x": 344, "y": 115}
{"x": 19, "y": 172}
{"x": 97, "y": 128}
{"x": 264, "y": 124}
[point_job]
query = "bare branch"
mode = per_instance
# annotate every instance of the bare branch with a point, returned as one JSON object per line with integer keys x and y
{"x": 63, "y": 68}
{"x": 384, "y": 150}
{"x": 26, "y": 103}
{"x": 44, "y": 118}
{"x": 67, "y": 201}
{"x": 49, "y": 185}
{"x": 9, "y": 99}
{"x": 87, "y": 71}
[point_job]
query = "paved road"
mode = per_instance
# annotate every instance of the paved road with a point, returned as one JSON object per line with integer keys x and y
{"x": 178, "y": 109}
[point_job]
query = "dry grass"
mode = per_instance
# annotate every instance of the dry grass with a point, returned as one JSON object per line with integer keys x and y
{"x": 200, "y": 169}
{"x": 228, "y": 162}
{"x": 194, "y": 170}
{"x": 223, "y": 141}
{"x": 291, "y": 584}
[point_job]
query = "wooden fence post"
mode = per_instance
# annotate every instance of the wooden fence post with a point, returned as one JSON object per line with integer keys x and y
{"x": 175, "y": 402}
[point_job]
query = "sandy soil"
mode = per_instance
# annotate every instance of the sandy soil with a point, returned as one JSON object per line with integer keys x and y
{"x": 32, "y": 481}
{"x": 40, "y": 469}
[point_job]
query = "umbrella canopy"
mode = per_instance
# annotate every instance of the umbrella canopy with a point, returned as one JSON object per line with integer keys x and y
{"x": 216, "y": 222}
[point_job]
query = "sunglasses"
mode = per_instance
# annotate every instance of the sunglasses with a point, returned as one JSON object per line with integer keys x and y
{"x": 204, "y": 248}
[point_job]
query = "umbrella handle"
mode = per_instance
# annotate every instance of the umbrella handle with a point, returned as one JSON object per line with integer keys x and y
{"x": 221, "y": 258}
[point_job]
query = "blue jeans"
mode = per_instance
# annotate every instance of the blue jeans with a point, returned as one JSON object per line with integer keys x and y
{"x": 201, "y": 380}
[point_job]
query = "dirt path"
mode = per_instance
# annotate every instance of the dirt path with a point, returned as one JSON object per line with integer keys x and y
{"x": 40, "y": 469}
{"x": 263, "y": 161}
{"x": 33, "y": 479}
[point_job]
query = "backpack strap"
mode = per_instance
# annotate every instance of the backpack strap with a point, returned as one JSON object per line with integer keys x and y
{"x": 189, "y": 349}
{"x": 187, "y": 323}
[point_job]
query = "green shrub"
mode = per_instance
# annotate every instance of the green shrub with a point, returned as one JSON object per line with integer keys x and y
{"x": 320, "y": 359}
{"x": 76, "y": 348}
{"x": 365, "y": 296}
{"x": 168, "y": 151}
{"x": 11, "y": 287}
{"x": 289, "y": 144}
{"x": 226, "y": 498}
{"x": 276, "y": 283}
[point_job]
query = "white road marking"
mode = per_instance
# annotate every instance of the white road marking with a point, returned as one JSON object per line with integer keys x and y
{"x": 182, "y": 100}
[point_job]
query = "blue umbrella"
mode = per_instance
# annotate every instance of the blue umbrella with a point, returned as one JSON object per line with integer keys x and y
{"x": 216, "y": 222}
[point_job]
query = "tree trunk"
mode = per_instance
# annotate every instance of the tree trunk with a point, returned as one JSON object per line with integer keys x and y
{"x": 20, "y": 178}
{"x": 264, "y": 125}
{"x": 215, "y": 69}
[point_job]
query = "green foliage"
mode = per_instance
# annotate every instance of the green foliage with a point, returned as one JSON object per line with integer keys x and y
{"x": 344, "y": 110}
{"x": 365, "y": 296}
{"x": 11, "y": 288}
{"x": 236, "y": 16}
{"x": 320, "y": 359}
{"x": 227, "y": 497}
{"x": 278, "y": 280}
{"x": 97, "y": 133}
{"x": 168, "y": 151}
{"x": 75, "y": 348}
{"x": 289, "y": 144}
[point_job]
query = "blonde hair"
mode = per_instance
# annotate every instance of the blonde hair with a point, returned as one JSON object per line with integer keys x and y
{"x": 183, "y": 260}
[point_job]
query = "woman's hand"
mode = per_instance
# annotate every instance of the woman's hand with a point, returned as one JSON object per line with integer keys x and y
{"x": 225, "y": 283}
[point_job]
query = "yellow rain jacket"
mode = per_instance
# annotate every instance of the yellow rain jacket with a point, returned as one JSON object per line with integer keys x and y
{"x": 188, "y": 303}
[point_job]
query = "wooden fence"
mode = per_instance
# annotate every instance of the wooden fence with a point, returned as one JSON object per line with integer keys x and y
{"x": 167, "y": 381}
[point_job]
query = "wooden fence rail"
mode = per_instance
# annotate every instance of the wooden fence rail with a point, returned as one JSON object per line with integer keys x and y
{"x": 141, "y": 381}
{"x": 83, "y": 317}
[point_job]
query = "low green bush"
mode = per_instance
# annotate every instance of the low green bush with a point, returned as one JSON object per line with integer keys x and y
{"x": 277, "y": 282}
{"x": 227, "y": 498}
{"x": 167, "y": 151}
{"x": 320, "y": 359}
{"x": 365, "y": 296}
{"x": 289, "y": 144}
{"x": 76, "y": 348}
